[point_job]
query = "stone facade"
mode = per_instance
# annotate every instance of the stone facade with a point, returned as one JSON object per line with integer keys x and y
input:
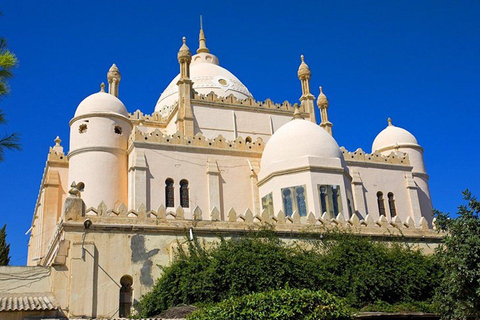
{"x": 209, "y": 161}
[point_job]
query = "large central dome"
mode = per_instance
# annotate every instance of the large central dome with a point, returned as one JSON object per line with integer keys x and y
{"x": 207, "y": 76}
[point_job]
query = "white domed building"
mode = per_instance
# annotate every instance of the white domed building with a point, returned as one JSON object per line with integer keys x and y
{"x": 207, "y": 160}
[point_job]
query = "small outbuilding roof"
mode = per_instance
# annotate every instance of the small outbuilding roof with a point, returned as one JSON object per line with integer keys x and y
{"x": 37, "y": 301}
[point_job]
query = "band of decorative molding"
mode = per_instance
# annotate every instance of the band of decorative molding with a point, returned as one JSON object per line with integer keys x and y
{"x": 397, "y": 157}
{"x": 89, "y": 149}
{"x": 198, "y": 140}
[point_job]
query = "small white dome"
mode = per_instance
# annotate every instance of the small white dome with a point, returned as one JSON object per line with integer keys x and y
{"x": 207, "y": 76}
{"x": 297, "y": 139}
{"x": 393, "y": 136}
{"x": 101, "y": 102}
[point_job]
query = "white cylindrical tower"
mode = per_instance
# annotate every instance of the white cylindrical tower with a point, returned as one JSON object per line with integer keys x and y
{"x": 99, "y": 134}
{"x": 393, "y": 138}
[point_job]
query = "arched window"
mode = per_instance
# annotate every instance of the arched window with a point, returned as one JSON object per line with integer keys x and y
{"x": 125, "y": 301}
{"x": 184, "y": 193}
{"x": 169, "y": 193}
{"x": 381, "y": 204}
{"x": 248, "y": 139}
{"x": 391, "y": 204}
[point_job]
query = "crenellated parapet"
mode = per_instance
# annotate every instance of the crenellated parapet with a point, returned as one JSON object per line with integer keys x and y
{"x": 182, "y": 218}
{"x": 219, "y": 142}
{"x": 398, "y": 157}
{"x": 157, "y": 119}
{"x": 213, "y": 99}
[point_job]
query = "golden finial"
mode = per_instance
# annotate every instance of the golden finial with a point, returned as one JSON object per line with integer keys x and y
{"x": 184, "y": 52}
{"x": 389, "y": 120}
{"x": 102, "y": 87}
{"x": 202, "y": 47}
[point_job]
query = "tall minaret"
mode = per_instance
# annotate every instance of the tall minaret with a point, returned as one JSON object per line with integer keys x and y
{"x": 322, "y": 103}
{"x": 307, "y": 98}
{"x": 114, "y": 76}
{"x": 185, "y": 114}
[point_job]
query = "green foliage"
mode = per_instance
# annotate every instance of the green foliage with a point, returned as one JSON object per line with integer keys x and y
{"x": 8, "y": 61}
{"x": 348, "y": 266}
{"x": 283, "y": 304}
{"x": 401, "y": 307}
{"x": 364, "y": 271}
{"x": 4, "y": 247}
{"x": 458, "y": 296}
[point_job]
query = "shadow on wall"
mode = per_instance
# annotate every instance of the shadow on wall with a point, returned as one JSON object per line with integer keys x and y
{"x": 141, "y": 255}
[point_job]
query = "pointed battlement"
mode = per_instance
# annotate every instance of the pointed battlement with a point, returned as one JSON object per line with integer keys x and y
{"x": 358, "y": 156}
{"x": 198, "y": 140}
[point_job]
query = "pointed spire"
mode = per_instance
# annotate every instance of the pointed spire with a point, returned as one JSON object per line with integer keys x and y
{"x": 303, "y": 70}
{"x": 297, "y": 114}
{"x": 202, "y": 42}
{"x": 389, "y": 120}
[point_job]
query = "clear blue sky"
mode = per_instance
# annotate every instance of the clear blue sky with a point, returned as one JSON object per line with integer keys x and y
{"x": 414, "y": 61}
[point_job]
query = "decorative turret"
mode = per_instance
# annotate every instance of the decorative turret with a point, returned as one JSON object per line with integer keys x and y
{"x": 307, "y": 98}
{"x": 99, "y": 134}
{"x": 393, "y": 139}
{"x": 322, "y": 103}
{"x": 185, "y": 114}
{"x": 114, "y": 76}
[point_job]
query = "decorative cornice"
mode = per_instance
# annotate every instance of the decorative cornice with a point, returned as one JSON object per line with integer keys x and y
{"x": 156, "y": 119}
{"x": 250, "y": 104}
{"x": 104, "y": 149}
{"x": 172, "y": 220}
{"x": 358, "y": 156}
{"x": 178, "y": 139}
{"x": 303, "y": 169}
{"x": 101, "y": 114}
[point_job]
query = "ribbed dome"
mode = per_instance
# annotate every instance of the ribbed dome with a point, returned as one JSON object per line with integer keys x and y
{"x": 297, "y": 139}
{"x": 101, "y": 102}
{"x": 207, "y": 76}
{"x": 393, "y": 136}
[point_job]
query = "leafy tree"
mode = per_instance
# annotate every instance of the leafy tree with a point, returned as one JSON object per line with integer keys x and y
{"x": 4, "y": 247}
{"x": 8, "y": 61}
{"x": 348, "y": 266}
{"x": 458, "y": 296}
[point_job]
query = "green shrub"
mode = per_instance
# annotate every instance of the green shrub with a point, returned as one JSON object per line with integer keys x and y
{"x": 364, "y": 271}
{"x": 348, "y": 266}
{"x": 283, "y": 304}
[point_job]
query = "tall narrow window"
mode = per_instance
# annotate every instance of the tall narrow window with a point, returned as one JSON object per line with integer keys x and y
{"x": 125, "y": 303}
{"x": 294, "y": 200}
{"x": 287, "y": 201}
{"x": 184, "y": 193}
{"x": 330, "y": 200}
{"x": 169, "y": 193}
{"x": 301, "y": 203}
{"x": 381, "y": 204}
{"x": 391, "y": 204}
{"x": 323, "y": 198}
